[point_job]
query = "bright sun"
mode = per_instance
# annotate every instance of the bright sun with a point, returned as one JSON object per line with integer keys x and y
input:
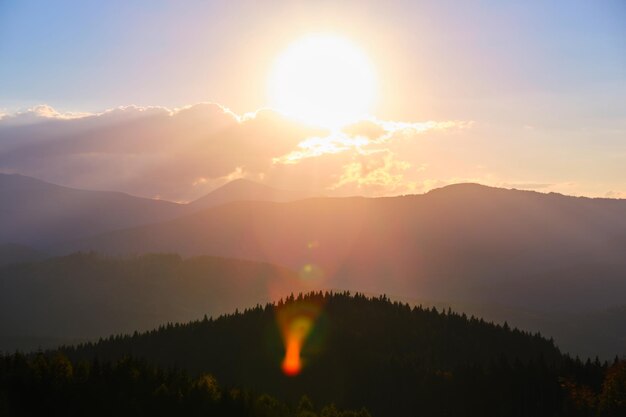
{"x": 323, "y": 80}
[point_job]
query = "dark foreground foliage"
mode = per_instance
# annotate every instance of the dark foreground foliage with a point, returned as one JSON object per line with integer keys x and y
{"x": 53, "y": 386}
{"x": 362, "y": 352}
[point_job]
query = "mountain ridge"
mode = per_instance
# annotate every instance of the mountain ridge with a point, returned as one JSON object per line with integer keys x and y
{"x": 37, "y": 213}
{"x": 555, "y": 255}
{"x": 244, "y": 190}
{"x": 41, "y": 214}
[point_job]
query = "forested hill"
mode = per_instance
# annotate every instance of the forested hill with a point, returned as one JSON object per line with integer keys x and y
{"x": 358, "y": 351}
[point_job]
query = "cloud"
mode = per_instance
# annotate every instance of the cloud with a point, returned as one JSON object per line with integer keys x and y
{"x": 181, "y": 154}
{"x": 377, "y": 172}
{"x": 147, "y": 151}
{"x": 366, "y": 128}
{"x": 365, "y": 158}
{"x": 316, "y": 146}
{"x": 37, "y": 114}
{"x": 363, "y": 137}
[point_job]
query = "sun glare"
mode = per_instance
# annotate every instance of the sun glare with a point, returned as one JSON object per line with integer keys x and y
{"x": 323, "y": 80}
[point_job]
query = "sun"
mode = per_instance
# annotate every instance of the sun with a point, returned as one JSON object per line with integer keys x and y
{"x": 323, "y": 80}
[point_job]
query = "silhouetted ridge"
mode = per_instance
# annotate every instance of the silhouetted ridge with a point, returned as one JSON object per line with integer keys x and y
{"x": 390, "y": 357}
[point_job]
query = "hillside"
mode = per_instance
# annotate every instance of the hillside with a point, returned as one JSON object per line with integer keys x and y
{"x": 41, "y": 214}
{"x": 86, "y": 296}
{"x": 38, "y": 213}
{"x": 358, "y": 351}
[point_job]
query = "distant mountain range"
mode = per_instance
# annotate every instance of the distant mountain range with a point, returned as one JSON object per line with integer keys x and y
{"x": 39, "y": 214}
{"x": 542, "y": 261}
{"x": 245, "y": 190}
{"x": 467, "y": 240}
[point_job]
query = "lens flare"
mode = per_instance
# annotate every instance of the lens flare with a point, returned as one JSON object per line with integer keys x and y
{"x": 313, "y": 244}
{"x": 300, "y": 328}
{"x": 296, "y": 322}
{"x": 311, "y": 272}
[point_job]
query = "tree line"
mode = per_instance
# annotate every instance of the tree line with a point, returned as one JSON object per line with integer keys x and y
{"x": 389, "y": 357}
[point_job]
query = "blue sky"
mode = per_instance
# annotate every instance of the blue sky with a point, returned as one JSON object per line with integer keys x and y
{"x": 93, "y": 55}
{"x": 539, "y": 79}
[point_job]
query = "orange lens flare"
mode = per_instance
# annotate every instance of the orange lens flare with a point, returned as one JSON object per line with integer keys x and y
{"x": 296, "y": 323}
{"x": 292, "y": 364}
{"x": 299, "y": 329}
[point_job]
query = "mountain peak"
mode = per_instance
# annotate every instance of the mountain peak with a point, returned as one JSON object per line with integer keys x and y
{"x": 242, "y": 189}
{"x": 464, "y": 186}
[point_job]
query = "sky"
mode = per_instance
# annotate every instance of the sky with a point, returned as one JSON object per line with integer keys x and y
{"x": 527, "y": 95}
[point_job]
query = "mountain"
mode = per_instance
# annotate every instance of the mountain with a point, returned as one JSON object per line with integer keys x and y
{"x": 41, "y": 214}
{"x": 85, "y": 296}
{"x": 446, "y": 242}
{"x": 357, "y": 351}
{"x": 244, "y": 190}
{"x": 38, "y": 213}
{"x": 541, "y": 256}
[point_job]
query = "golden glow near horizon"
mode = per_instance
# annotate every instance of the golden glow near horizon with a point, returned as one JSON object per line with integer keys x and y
{"x": 323, "y": 80}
